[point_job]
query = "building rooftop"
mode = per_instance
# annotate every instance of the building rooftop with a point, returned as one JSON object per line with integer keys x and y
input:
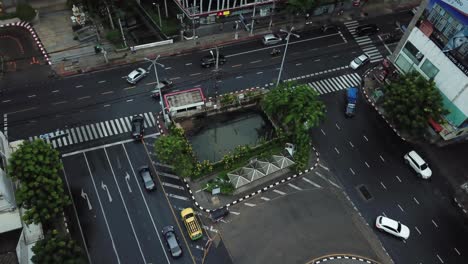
{"x": 184, "y": 99}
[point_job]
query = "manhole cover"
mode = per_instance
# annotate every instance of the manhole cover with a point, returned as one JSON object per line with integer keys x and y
{"x": 365, "y": 192}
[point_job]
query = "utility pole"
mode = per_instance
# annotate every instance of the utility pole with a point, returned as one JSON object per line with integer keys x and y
{"x": 253, "y": 20}
{"x": 159, "y": 13}
{"x": 154, "y": 64}
{"x": 110, "y": 17}
{"x": 165, "y": 8}
{"x": 121, "y": 31}
{"x": 285, "y": 50}
{"x": 236, "y": 35}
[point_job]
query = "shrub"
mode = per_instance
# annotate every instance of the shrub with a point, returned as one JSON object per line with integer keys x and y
{"x": 25, "y": 12}
{"x": 113, "y": 36}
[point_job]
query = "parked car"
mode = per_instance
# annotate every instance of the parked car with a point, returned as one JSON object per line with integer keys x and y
{"x": 172, "y": 241}
{"x": 136, "y": 75}
{"x": 166, "y": 85}
{"x": 329, "y": 27}
{"x": 147, "y": 178}
{"x": 392, "y": 227}
{"x": 351, "y": 100}
{"x": 219, "y": 214}
{"x": 210, "y": 60}
{"x": 138, "y": 127}
{"x": 271, "y": 39}
{"x": 418, "y": 164}
{"x": 367, "y": 29}
{"x": 359, "y": 61}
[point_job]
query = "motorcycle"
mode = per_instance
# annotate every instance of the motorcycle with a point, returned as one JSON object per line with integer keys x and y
{"x": 275, "y": 52}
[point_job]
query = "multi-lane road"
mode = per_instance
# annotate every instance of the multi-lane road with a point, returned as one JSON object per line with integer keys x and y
{"x": 121, "y": 222}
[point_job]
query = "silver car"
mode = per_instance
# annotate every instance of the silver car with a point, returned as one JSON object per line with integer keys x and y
{"x": 145, "y": 174}
{"x": 271, "y": 39}
{"x": 136, "y": 75}
{"x": 172, "y": 241}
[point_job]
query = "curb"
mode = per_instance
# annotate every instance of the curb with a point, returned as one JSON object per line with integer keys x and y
{"x": 343, "y": 256}
{"x": 33, "y": 34}
{"x": 375, "y": 106}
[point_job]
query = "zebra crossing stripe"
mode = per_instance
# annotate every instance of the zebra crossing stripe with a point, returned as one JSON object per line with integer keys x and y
{"x": 98, "y": 127}
{"x": 146, "y": 120}
{"x": 319, "y": 88}
{"x": 152, "y": 118}
{"x": 65, "y": 143}
{"x": 364, "y": 42}
{"x": 117, "y": 124}
{"x": 83, "y": 131}
{"x": 343, "y": 83}
{"x": 94, "y": 131}
{"x": 326, "y": 86}
{"x": 355, "y": 78}
{"x": 369, "y": 48}
{"x": 331, "y": 85}
{"x": 89, "y": 132}
{"x": 113, "y": 127}
{"x": 108, "y": 128}
{"x": 313, "y": 88}
{"x": 69, "y": 136}
{"x": 124, "y": 126}
{"x": 129, "y": 124}
{"x": 78, "y": 132}
{"x": 72, "y": 131}
{"x": 54, "y": 144}
{"x": 104, "y": 131}
{"x": 59, "y": 142}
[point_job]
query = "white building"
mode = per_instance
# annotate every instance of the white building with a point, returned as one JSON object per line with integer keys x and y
{"x": 436, "y": 45}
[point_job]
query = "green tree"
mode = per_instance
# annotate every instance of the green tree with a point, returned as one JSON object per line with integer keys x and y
{"x": 411, "y": 100}
{"x": 57, "y": 248}
{"x": 174, "y": 149}
{"x": 37, "y": 166}
{"x": 300, "y": 6}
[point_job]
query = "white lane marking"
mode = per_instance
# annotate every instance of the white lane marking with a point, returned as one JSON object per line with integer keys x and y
{"x": 234, "y": 213}
{"x": 168, "y": 68}
{"x": 381, "y": 183}
{"x": 174, "y": 78}
{"x": 250, "y": 205}
{"x": 323, "y": 166}
{"x": 365, "y": 138}
{"x": 298, "y": 64}
{"x": 61, "y": 102}
{"x": 168, "y": 175}
{"x": 55, "y": 91}
{"x": 102, "y": 209}
{"x": 351, "y": 144}
{"x": 128, "y": 88}
{"x": 458, "y": 252}
{"x": 175, "y": 186}
{"x": 237, "y": 65}
{"x": 417, "y": 230}
{"x": 398, "y": 178}
{"x": 434, "y": 223}
{"x": 401, "y": 208}
{"x": 416, "y": 201}
{"x": 31, "y": 96}
{"x": 195, "y": 74}
{"x": 125, "y": 207}
{"x": 183, "y": 198}
{"x": 279, "y": 192}
{"x": 239, "y": 77}
{"x": 6, "y": 101}
{"x": 129, "y": 100}
{"x": 317, "y": 60}
{"x": 311, "y": 182}
{"x": 78, "y": 86}
{"x": 352, "y": 171}
{"x": 265, "y": 198}
{"x": 106, "y": 105}
{"x": 108, "y": 92}
{"x": 323, "y": 132}
{"x": 103, "y": 81}
{"x": 337, "y": 151}
{"x": 326, "y": 179}
{"x": 257, "y": 61}
{"x": 440, "y": 258}
{"x": 84, "y": 97}
{"x": 365, "y": 162}
{"x": 294, "y": 186}
{"x": 259, "y": 72}
{"x": 381, "y": 158}
{"x": 188, "y": 64}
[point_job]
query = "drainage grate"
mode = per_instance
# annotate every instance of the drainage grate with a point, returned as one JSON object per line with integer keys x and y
{"x": 365, "y": 192}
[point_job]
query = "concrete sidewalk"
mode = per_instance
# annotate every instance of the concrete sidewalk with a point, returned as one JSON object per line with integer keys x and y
{"x": 86, "y": 61}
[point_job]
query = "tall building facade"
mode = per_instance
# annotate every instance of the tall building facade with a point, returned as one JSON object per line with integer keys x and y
{"x": 436, "y": 45}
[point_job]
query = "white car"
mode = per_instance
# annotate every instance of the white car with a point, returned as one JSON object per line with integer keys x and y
{"x": 392, "y": 227}
{"x": 271, "y": 39}
{"x": 359, "y": 61}
{"x": 418, "y": 164}
{"x": 136, "y": 75}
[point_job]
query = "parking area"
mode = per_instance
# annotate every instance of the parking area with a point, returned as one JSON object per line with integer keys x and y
{"x": 298, "y": 222}
{"x": 121, "y": 221}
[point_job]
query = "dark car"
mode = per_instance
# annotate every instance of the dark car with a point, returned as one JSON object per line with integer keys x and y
{"x": 219, "y": 214}
{"x": 172, "y": 241}
{"x": 138, "y": 127}
{"x": 145, "y": 174}
{"x": 210, "y": 60}
{"x": 366, "y": 30}
{"x": 166, "y": 85}
{"x": 329, "y": 27}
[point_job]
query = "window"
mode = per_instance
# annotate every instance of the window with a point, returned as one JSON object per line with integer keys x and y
{"x": 413, "y": 53}
{"x": 403, "y": 64}
{"x": 429, "y": 69}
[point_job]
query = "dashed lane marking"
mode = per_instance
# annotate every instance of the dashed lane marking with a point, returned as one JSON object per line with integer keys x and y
{"x": 311, "y": 182}
{"x": 279, "y": 192}
{"x": 265, "y": 198}
{"x": 183, "y": 198}
{"x": 250, "y": 204}
{"x": 175, "y": 186}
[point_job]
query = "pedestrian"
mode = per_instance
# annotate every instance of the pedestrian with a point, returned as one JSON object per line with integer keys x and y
{"x": 132, "y": 48}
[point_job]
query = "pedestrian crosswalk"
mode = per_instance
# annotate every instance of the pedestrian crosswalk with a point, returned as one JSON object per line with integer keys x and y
{"x": 364, "y": 42}
{"x": 336, "y": 83}
{"x": 80, "y": 134}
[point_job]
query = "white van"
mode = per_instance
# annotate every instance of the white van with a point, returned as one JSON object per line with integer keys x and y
{"x": 418, "y": 164}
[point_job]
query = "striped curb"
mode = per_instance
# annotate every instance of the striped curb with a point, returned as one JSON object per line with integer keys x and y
{"x": 344, "y": 256}
{"x": 310, "y": 75}
{"x": 376, "y": 108}
{"x": 33, "y": 34}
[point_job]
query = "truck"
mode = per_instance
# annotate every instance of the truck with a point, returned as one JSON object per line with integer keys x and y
{"x": 191, "y": 223}
{"x": 351, "y": 100}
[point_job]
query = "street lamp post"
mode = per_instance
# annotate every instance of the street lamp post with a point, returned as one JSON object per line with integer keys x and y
{"x": 154, "y": 64}
{"x": 285, "y": 50}
{"x": 159, "y": 13}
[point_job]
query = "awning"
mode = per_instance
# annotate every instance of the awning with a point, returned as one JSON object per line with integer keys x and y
{"x": 435, "y": 125}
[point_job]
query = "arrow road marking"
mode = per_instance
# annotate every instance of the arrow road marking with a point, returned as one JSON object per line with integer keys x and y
{"x": 127, "y": 179}
{"x": 104, "y": 187}
{"x": 85, "y": 196}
